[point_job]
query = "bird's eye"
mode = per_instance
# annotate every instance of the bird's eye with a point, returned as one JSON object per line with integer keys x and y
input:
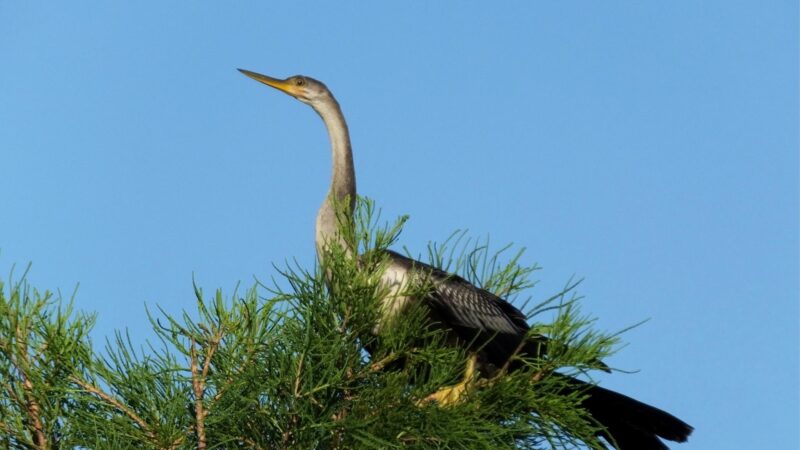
{"x": 299, "y": 82}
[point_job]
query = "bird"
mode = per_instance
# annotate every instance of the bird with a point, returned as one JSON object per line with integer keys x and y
{"x": 494, "y": 330}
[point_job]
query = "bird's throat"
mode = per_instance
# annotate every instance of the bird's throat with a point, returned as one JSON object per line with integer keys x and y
{"x": 342, "y": 192}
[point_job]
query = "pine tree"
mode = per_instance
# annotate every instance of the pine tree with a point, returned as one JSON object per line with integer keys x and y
{"x": 285, "y": 365}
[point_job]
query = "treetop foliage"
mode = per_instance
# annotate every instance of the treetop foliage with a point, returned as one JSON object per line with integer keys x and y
{"x": 293, "y": 364}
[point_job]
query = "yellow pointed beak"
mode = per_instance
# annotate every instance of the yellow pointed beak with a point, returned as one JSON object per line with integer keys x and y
{"x": 281, "y": 85}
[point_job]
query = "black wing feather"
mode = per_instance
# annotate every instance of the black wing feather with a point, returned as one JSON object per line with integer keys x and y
{"x": 478, "y": 318}
{"x": 466, "y": 305}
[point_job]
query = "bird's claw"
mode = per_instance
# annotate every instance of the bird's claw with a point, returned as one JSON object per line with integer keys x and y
{"x": 448, "y": 396}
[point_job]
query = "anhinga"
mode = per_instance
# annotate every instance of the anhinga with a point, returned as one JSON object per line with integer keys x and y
{"x": 471, "y": 314}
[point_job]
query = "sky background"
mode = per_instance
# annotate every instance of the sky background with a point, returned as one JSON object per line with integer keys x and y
{"x": 650, "y": 147}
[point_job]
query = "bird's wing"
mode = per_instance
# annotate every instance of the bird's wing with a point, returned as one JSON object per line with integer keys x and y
{"x": 477, "y": 314}
{"x": 462, "y": 304}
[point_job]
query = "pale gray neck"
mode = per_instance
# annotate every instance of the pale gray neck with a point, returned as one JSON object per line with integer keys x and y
{"x": 343, "y": 177}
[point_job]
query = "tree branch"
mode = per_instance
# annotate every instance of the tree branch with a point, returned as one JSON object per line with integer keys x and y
{"x": 32, "y": 406}
{"x": 197, "y": 386}
{"x": 116, "y": 404}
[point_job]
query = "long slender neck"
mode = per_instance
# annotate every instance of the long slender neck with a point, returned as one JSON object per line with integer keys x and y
{"x": 342, "y": 191}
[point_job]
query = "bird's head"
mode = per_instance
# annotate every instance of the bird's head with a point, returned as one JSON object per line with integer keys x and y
{"x": 303, "y": 88}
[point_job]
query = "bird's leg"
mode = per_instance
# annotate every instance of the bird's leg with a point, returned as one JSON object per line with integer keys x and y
{"x": 452, "y": 395}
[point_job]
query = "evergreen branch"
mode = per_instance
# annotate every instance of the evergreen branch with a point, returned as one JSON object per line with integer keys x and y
{"x": 10, "y": 391}
{"x": 297, "y": 374}
{"x": 378, "y": 366}
{"x": 250, "y": 443}
{"x": 12, "y": 435}
{"x": 199, "y": 380}
{"x": 21, "y": 361}
{"x": 198, "y": 386}
{"x": 5, "y": 427}
{"x": 116, "y": 404}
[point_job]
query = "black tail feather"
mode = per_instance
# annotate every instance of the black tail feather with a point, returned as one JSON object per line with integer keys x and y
{"x": 631, "y": 424}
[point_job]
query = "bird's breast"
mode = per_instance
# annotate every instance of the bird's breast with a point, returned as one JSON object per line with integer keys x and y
{"x": 396, "y": 282}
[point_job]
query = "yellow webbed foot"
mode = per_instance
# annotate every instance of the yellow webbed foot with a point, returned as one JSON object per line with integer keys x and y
{"x": 452, "y": 395}
{"x": 448, "y": 396}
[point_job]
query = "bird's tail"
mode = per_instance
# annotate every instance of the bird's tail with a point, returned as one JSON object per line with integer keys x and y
{"x": 629, "y": 423}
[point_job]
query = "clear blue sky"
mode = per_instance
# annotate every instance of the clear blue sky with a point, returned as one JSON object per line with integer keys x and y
{"x": 650, "y": 147}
